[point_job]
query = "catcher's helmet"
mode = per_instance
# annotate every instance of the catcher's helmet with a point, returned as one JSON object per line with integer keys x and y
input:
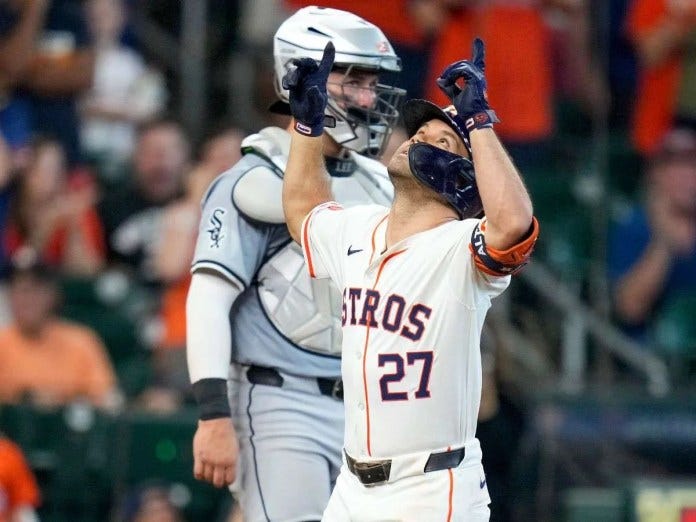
{"x": 359, "y": 45}
{"x": 450, "y": 175}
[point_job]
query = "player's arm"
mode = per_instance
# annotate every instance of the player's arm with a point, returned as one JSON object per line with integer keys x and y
{"x": 506, "y": 203}
{"x": 208, "y": 341}
{"x": 505, "y": 199}
{"x": 306, "y": 182}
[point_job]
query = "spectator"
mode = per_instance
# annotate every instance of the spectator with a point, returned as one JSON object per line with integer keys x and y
{"x": 20, "y": 23}
{"x": 132, "y": 216}
{"x": 19, "y": 494}
{"x": 520, "y": 64}
{"x": 61, "y": 68}
{"x": 44, "y": 359}
{"x": 664, "y": 34}
{"x": 652, "y": 246}
{"x": 54, "y": 214}
{"x": 125, "y": 91}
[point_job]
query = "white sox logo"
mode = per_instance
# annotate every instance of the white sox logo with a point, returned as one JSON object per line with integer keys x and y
{"x": 215, "y": 229}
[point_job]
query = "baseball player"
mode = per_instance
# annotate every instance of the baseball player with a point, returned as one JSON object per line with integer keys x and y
{"x": 417, "y": 279}
{"x": 284, "y": 329}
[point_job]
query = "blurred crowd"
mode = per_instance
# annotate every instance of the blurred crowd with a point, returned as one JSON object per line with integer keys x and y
{"x": 100, "y": 182}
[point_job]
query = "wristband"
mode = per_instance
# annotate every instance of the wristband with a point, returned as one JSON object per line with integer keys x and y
{"x": 309, "y": 130}
{"x": 317, "y": 129}
{"x": 481, "y": 120}
{"x": 211, "y": 397}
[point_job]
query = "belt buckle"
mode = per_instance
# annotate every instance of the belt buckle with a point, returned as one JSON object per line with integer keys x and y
{"x": 373, "y": 473}
{"x": 337, "y": 390}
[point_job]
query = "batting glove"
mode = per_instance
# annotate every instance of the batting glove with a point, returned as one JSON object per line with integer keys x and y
{"x": 471, "y": 100}
{"x": 306, "y": 82}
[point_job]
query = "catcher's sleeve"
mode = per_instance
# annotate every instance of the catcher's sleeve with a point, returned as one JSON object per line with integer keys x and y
{"x": 208, "y": 341}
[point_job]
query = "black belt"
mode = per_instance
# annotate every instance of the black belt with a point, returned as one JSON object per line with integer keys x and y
{"x": 271, "y": 377}
{"x": 373, "y": 473}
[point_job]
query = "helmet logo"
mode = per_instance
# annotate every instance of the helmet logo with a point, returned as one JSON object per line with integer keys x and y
{"x": 481, "y": 118}
{"x": 451, "y": 110}
{"x": 383, "y": 47}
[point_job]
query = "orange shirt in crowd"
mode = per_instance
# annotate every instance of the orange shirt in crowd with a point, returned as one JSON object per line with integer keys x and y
{"x": 518, "y": 65}
{"x": 65, "y": 363}
{"x": 17, "y": 483}
{"x": 54, "y": 248}
{"x": 658, "y": 86}
{"x": 173, "y": 314}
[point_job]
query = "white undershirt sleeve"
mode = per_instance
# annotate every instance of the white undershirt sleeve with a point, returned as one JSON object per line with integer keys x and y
{"x": 208, "y": 336}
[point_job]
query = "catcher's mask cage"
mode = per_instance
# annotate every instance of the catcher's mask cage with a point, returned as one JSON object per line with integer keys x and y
{"x": 450, "y": 175}
{"x": 360, "y": 47}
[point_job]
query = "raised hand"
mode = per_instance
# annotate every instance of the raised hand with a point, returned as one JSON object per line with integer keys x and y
{"x": 471, "y": 98}
{"x": 306, "y": 82}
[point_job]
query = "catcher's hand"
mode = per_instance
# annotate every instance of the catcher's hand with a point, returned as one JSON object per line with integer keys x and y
{"x": 306, "y": 82}
{"x": 471, "y": 99}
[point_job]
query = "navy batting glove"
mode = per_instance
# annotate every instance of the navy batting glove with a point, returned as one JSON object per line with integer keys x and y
{"x": 306, "y": 82}
{"x": 470, "y": 100}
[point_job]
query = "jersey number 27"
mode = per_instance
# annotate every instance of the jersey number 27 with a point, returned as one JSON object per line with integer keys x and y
{"x": 424, "y": 359}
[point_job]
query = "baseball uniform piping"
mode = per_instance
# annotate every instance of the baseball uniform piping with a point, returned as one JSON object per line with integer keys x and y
{"x": 305, "y": 245}
{"x": 374, "y": 233}
{"x": 253, "y": 449}
{"x": 451, "y": 491}
{"x": 367, "y": 340}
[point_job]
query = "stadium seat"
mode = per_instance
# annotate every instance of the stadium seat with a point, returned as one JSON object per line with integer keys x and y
{"x": 675, "y": 328}
{"x": 116, "y": 329}
{"x": 593, "y": 505}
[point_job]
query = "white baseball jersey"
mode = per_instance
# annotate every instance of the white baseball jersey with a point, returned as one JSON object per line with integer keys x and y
{"x": 412, "y": 319}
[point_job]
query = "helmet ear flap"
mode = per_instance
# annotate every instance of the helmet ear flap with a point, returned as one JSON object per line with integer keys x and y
{"x": 450, "y": 175}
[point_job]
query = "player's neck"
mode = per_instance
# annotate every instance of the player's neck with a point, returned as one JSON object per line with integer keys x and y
{"x": 412, "y": 213}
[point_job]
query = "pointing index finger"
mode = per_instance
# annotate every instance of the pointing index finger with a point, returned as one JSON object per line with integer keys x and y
{"x": 328, "y": 58}
{"x": 478, "y": 54}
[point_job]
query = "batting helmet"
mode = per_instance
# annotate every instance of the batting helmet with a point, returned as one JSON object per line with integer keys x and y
{"x": 359, "y": 45}
{"x": 450, "y": 175}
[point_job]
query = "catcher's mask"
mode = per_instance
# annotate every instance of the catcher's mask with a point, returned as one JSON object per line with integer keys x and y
{"x": 360, "y": 46}
{"x": 450, "y": 175}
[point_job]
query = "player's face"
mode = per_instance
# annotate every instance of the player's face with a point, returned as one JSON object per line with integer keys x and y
{"x": 433, "y": 132}
{"x": 354, "y": 88}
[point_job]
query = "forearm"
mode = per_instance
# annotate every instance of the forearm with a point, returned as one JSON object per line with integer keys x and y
{"x": 208, "y": 341}
{"x": 17, "y": 48}
{"x": 172, "y": 257}
{"x": 58, "y": 77}
{"x": 506, "y": 202}
{"x": 637, "y": 291}
{"x": 306, "y": 183}
{"x": 81, "y": 258}
{"x": 208, "y": 335}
